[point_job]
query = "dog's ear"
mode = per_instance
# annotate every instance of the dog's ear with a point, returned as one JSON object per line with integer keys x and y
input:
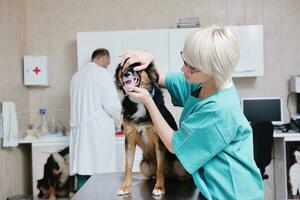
{"x": 117, "y": 76}
{"x": 152, "y": 73}
{"x": 64, "y": 152}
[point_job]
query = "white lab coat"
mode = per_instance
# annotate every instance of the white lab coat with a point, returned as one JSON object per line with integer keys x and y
{"x": 94, "y": 106}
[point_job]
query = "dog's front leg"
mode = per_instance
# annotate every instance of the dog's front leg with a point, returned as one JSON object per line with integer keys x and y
{"x": 52, "y": 193}
{"x": 71, "y": 186}
{"x": 130, "y": 152}
{"x": 159, "y": 188}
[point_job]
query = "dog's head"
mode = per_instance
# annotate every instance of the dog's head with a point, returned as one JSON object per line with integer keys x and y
{"x": 129, "y": 78}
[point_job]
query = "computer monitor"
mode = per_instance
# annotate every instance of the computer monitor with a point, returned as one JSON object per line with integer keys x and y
{"x": 263, "y": 109}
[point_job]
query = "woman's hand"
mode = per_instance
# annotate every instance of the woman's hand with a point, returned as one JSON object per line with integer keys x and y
{"x": 140, "y": 94}
{"x": 131, "y": 57}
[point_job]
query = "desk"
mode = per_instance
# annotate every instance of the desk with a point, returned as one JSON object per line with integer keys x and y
{"x": 105, "y": 187}
{"x": 282, "y": 162}
{"x": 287, "y": 136}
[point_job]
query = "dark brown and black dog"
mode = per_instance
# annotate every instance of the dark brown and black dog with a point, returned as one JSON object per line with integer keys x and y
{"x": 157, "y": 161}
{"x": 56, "y": 181}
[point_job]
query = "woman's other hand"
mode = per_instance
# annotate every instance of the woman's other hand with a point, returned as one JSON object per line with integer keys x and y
{"x": 134, "y": 56}
{"x": 139, "y": 94}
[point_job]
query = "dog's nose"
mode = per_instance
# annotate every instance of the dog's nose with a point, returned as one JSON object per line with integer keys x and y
{"x": 127, "y": 74}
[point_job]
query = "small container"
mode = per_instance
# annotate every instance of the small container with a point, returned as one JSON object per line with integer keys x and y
{"x": 44, "y": 124}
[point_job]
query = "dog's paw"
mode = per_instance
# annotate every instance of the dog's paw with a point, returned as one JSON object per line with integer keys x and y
{"x": 71, "y": 194}
{"x": 52, "y": 198}
{"x": 158, "y": 192}
{"x": 124, "y": 190}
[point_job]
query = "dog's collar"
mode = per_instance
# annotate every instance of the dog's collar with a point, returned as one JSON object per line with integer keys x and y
{"x": 152, "y": 93}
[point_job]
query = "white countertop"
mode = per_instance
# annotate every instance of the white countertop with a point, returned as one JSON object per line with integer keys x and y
{"x": 55, "y": 139}
{"x": 45, "y": 139}
{"x": 290, "y": 135}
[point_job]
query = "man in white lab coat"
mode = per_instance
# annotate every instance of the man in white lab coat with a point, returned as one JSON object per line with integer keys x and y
{"x": 94, "y": 106}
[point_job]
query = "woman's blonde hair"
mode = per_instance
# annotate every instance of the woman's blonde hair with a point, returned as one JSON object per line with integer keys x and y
{"x": 214, "y": 50}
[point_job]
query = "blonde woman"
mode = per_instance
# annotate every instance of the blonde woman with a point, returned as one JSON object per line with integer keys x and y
{"x": 214, "y": 140}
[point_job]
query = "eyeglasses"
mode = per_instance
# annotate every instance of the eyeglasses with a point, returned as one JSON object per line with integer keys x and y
{"x": 190, "y": 67}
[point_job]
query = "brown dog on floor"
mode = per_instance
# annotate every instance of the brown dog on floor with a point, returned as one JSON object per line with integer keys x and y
{"x": 157, "y": 161}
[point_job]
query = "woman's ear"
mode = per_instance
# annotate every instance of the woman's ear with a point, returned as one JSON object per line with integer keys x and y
{"x": 152, "y": 73}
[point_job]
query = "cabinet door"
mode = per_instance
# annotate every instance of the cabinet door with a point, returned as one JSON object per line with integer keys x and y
{"x": 251, "y": 61}
{"x": 177, "y": 38}
{"x": 87, "y": 42}
{"x": 250, "y": 39}
{"x": 153, "y": 41}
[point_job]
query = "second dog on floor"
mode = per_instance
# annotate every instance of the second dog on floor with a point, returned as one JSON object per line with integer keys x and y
{"x": 56, "y": 181}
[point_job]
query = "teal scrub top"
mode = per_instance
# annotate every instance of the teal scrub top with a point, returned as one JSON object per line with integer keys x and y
{"x": 214, "y": 142}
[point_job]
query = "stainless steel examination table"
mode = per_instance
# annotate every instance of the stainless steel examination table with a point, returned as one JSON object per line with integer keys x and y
{"x": 105, "y": 187}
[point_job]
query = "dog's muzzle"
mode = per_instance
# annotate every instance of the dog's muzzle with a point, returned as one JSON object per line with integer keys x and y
{"x": 130, "y": 79}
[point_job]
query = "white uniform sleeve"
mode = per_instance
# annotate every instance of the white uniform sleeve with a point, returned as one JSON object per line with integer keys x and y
{"x": 110, "y": 99}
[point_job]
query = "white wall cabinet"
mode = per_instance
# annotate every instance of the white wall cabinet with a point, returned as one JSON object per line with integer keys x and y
{"x": 250, "y": 39}
{"x": 166, "y": 44}
{"x": 154, "y": 41}
{"x": 251, "y": 61}
{"x": 87, "y": 42}
{"x": 177, "y": 38}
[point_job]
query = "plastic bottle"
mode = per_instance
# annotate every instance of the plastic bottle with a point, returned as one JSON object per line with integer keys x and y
{"x": 44, "y": 124}
{"x": 54, "y": 129}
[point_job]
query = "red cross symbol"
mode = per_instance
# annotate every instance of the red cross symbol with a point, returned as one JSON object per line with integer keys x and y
{"x": 36, "y": 70}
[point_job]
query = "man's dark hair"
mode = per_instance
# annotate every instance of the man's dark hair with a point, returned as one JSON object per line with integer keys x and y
{"x": 99, "y": 53}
